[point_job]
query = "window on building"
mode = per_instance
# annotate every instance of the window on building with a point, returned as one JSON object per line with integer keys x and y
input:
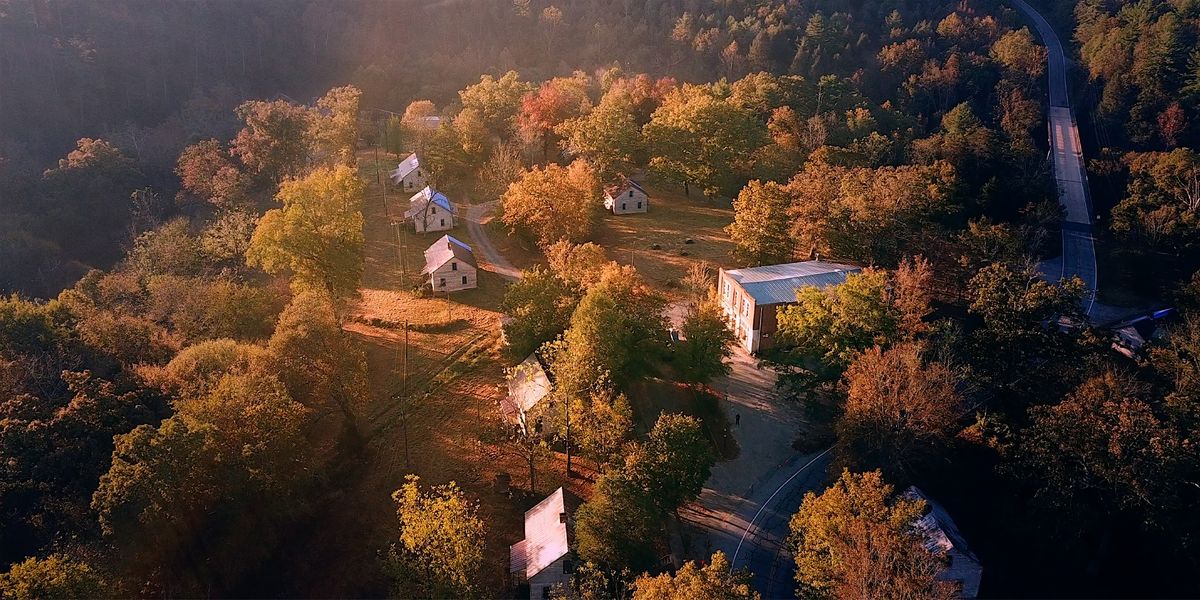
{"x": 442, "y": 282}
{"x": 622, "y": 206}
{"x": 433, "y": 209}
{"x": 464, "y": 280}
{"x": 453, "y": 266}
{"x": 630, "y": 193}
{"x": 443, "y": 222}
{"x": 639, "y": 204}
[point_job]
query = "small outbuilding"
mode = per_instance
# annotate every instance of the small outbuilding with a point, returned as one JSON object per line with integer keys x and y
{"x": 450, "y": 265}
{"x": 544, "y": 559}
{"x": 430, "y": 210}
{"x": 626, "y": 197}
{"x": 528, "y": 385}
{"x": 410, "y": 175}
{"x": 942, "y": 537}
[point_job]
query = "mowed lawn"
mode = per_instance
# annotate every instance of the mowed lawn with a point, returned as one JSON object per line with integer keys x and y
{"x": 672, "y": 219}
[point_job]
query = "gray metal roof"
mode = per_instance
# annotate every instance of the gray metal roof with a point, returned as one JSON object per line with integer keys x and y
{"x": 777, "y": 284}
{"x": 408, "y": 165}
{"x": 446, "y": 248}
{"x": 942, "y": 536}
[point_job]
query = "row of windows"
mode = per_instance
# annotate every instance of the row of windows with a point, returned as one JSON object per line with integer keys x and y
{"x": 442, "y": 281}
{"x": 623, "y": 205}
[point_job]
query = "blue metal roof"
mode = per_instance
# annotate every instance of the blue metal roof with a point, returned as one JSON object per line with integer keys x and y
{"x": 441, "y": 200}
{"x": 777, "y": 284}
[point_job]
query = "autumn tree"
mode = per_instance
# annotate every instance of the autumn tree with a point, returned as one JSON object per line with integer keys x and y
{"x": 551, "y": 104}
{"x": 707, "y": 342}
{"x": 580, "y": 264}
{"x": 496, "y": 101}
{"x": 603, "y": 424}
{"x": 88, "y": 193}
{"x": 1102, "y": 450}
{"x": 761, "y": 228}
{"x": 1020, "y": 54}
{"x": 56, "y": 577}
{"x": 335, "y": 125}
{"x": 317, "y": 236}
{"x": 714, "y": 581}
{"x": 1015, "y": 305}
{"x": 1162, "y": 205}
{"x": 208, "y": 172}
{"x": 502, "y": 168}
{"x": 554, "y": 202}
{"x": 415, "y": 125}
{"x": 615, "y": 330}
{"x": 440, "y": 548}
{"x": 613, "y": 526}
{"x": 870, "y": 308}
{"x": 673, "y": 463}
{"x": 609, "y": 136}
{"x": 871, "y": 215}
{"x": 698, "y": 137}
{"x": 274, "y": 143}
{"x": 539, "y": 306}
{"x": 900, "y": 409}
{"x": 319, "y": 364}
{"x": 859, "y": 540}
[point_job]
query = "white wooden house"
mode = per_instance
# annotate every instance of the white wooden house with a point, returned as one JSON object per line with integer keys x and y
{"x": 450, "y": 265}
{"x": 430, "y": 210}
{"x": 544, "y": 559}
{"x": 625, "y": 198}
{"x": 528, "y": 385}
{"x": 410, "y": 175}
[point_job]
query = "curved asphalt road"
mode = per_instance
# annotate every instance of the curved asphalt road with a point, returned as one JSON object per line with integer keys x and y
{"x": 1079, "y": 250}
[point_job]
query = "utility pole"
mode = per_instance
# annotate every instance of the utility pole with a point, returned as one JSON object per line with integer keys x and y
{"x": 447, "y": 306}
{"x": 404, "y": 394}
{"x": 567, "y": 418}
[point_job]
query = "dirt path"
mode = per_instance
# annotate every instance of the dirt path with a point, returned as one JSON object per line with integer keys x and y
{"x": 477, "y": 215}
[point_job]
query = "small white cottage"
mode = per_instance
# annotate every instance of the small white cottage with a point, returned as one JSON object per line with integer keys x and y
{"x": 430, "y": 210}
{"x": 528, "y": 385}
{"x": 627, "y": 197}
{"x": 450, "y": 265}
{"x": 544, "y": 558}
{"x": 410, "y": 175}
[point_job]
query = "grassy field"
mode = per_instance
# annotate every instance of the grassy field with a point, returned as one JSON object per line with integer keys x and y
{"x": 448, "y": 430}
{"x": 672, "y": 220}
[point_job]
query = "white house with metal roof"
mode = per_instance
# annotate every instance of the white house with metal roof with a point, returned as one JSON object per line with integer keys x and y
{"x": 625, "y": 198}
{"x": 544, "y": 558}
{"x": 450, "y": 265}
{"x": 430, "y": 210}
{"x": 528, "y": 385}
{"x": 409, "y": 174}
{"x": 942, "y": 537}
{"x": 751, "y": 297}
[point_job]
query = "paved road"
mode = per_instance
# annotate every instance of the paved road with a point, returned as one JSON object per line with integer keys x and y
{"x": 477, "y": 215}
{"x": 1079, "y": 249}
{"x": 746, "y": 502}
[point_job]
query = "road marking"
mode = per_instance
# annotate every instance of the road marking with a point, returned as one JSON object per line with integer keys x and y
{"x": 733, "y": 561}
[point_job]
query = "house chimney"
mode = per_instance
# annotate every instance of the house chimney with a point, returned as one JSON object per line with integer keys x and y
{"x": 562, "y": 517}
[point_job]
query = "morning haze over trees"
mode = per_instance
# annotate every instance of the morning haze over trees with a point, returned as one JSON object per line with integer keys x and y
{"x": 746, "y": 299}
